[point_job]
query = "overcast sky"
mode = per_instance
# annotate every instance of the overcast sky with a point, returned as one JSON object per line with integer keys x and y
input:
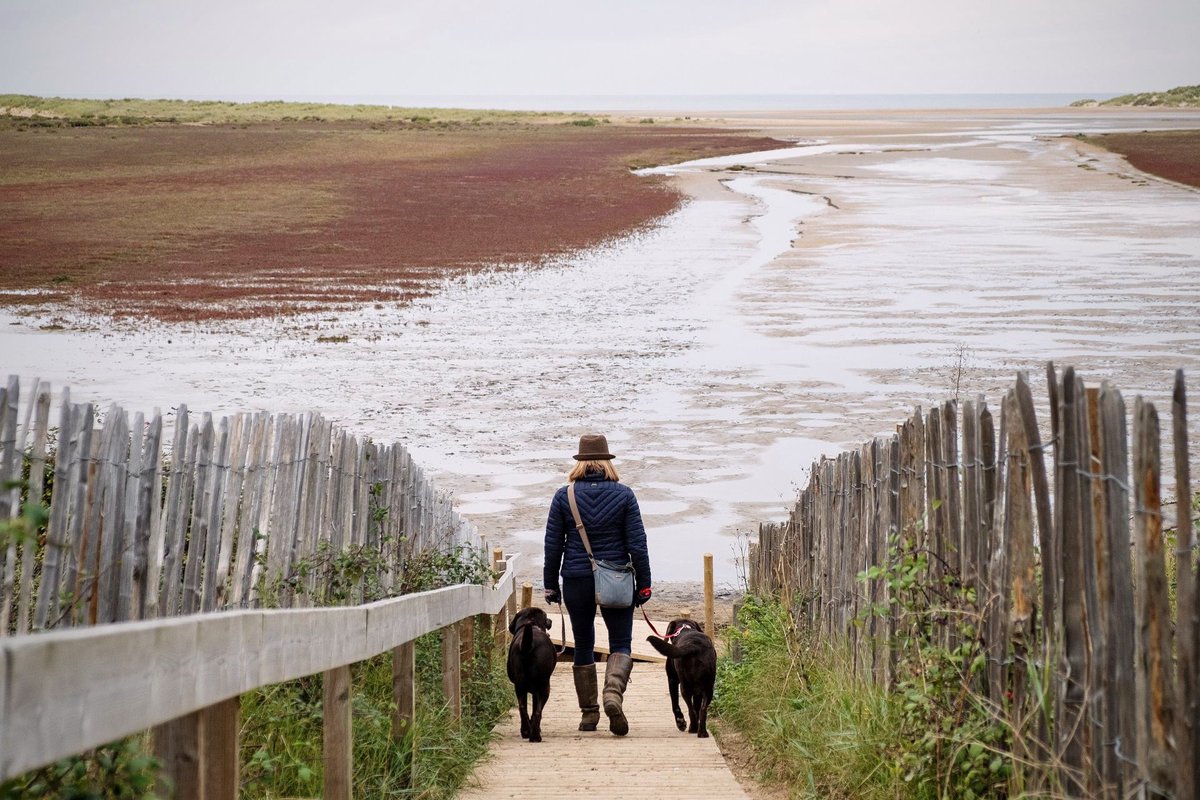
{"x": 275, "y": 48}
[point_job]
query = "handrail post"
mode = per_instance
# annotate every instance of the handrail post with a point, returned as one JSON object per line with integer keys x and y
{"x": 466, "y": 648}
{"x": 452, "y": 669}
{"x": 512, "y": 600}
{"x": 221, "y": 746}
{"x": 499, "y": 620}
{"x": 339, "y": 763}
{"x": 199, "y": 753}
{"x": 527, "y": 595}
{"x": 709, "y": 626}
{"x": 404, "y": 669}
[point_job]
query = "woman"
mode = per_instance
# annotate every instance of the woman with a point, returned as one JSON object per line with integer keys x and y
{"x": 613, "y": 524}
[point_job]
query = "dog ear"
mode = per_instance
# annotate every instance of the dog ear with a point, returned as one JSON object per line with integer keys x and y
{"x": 700, "y": 626}
{"x": 512, "y": 625}
{"x": 549, "y": 623}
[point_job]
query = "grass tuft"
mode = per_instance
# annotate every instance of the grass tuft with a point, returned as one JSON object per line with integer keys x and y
{"x": 813, "y": 726}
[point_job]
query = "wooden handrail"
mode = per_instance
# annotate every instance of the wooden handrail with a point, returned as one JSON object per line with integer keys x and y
{"x": 64, "y": 692}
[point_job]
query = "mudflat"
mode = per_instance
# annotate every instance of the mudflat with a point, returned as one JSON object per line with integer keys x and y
{"x": 189, "y": 222}
{"x": 1174, "y": 155}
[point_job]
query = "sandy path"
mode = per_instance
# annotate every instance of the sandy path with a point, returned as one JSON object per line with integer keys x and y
{"x": 792, "y": 308}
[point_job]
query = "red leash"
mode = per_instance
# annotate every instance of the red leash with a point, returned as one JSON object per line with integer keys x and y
{"x": 651, "y": 624}
{"x": 668, "y": 637}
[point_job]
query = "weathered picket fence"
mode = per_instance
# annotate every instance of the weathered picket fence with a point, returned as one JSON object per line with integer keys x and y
{"x": 205, "y": 557}
{"x": 137, "y": 530}
{"x": 1067, "y": 564}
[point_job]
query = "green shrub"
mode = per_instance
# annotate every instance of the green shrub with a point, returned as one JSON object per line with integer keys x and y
{"x": 954, "y": 742}
{"x": 121, "y": 770}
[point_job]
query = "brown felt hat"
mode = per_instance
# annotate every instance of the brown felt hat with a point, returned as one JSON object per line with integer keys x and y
{"x": 593, "y": 447}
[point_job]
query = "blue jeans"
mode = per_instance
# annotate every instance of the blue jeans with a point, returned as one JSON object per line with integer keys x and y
{"x": 579, "y": 596}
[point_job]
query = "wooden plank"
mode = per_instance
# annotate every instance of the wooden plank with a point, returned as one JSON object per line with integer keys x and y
{"x": 231, "y": 506}
{"x": 1120, "y": 718}
{"x": 1051, "y": 555}
{"x": 1096, "y": 597}
{"x": 269, "y": 520}
{"x": 1070, "y": 547}
{"x": 308, "y": 527}
{"x": 126, "y": 582}
{"x": 205, "y": 476}
{"x": 99, "y": 568}
{"x": 971, "y": 497}
{"x": 56, "y": 529}
{"x": 37, "y": 482}
{"x": 935, "y": 498}
{"x": 1154, "y": 676}
{"x": 214, "y": 496}
{"x": 83, "y": 466}
{"x": 953, "y": 489}
{"x": 156, "y": 546}
{"x": 655, "y": 758}
{"x": 1187, "y": 603}
{"x": 249, "y": 540}
{"x": 178, "y": 508}
{"x": 147, "y": 544}
{"x": 10, "y": 460}
{"x": 287, "y": 632}
{"x": 338, "y": 739}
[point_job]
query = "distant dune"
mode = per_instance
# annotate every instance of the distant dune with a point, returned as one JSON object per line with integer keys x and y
{"x": 1179, "y": 97}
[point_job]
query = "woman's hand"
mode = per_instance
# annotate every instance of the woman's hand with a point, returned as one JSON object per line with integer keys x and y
{"x": 553, "y": 597}
{"x": 642, "y": 596}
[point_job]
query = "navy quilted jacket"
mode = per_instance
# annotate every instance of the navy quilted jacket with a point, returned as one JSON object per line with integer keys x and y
{"x": 614, "y": 526}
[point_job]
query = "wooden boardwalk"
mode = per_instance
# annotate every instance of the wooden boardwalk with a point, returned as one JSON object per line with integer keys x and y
{"x": 642, "y": 651}
{"x": 654, "y": 760}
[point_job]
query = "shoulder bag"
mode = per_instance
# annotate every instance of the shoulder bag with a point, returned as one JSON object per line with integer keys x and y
{"x": 614, "y": 582}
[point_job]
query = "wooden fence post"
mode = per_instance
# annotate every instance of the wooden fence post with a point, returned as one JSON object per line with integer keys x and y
{"x": 1187, "y": 737}
{"x": 526, "y": 595}
{"x": 338, "y": 743}
{"x": 1155, "y": 677}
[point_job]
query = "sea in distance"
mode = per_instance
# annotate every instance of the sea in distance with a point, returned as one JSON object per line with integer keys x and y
{"x": 696, "y": 102}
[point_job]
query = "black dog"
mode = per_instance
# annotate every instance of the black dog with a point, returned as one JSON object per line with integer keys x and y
{"x": 692, "y": 664}
{"x": 531, "y": 660}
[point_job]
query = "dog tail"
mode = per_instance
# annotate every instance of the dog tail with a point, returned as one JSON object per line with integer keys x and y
{"x": 524, "y": 640}
{"x": 691, "y": 646}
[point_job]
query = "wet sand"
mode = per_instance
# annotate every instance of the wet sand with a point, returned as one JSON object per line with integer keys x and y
{"x": 798, "y": 304}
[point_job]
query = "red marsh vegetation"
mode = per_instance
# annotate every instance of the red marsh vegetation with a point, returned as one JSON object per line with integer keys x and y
{"x": 1174, "y": 155}
{"x": 183, "y": 222}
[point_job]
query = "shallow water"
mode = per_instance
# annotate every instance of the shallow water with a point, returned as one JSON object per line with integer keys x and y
{"x": 719, "y": 359}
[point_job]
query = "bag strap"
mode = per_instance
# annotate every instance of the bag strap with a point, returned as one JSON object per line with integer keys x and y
{"x": 579, "y": 522}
